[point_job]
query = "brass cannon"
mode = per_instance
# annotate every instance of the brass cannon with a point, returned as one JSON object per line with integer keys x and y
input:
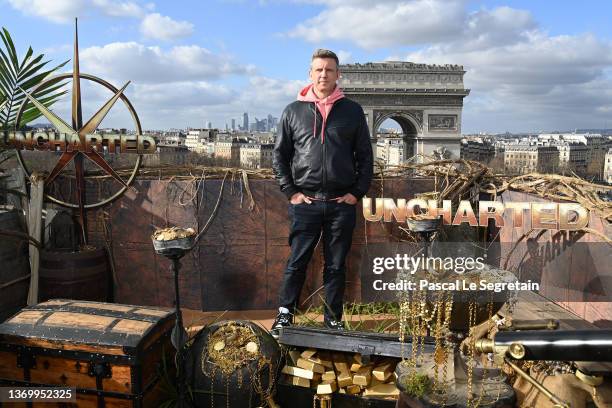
{"x": 513, "y": 345}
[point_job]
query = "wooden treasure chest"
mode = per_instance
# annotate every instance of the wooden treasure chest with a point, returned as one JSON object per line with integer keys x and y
{"x": 111, "y": 353}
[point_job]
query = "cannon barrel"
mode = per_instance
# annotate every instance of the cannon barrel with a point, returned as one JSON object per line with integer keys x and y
{"x": 559, "y": 345}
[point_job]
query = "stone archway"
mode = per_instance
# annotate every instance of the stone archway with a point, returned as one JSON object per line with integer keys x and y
{"x": 410, "y": 128}
{"x": 426, "y": 100}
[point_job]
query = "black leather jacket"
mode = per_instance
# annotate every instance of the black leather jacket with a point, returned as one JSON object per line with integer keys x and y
{"x": 339, "y": 165}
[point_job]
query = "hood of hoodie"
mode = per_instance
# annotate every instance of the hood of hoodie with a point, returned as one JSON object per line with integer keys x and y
{"x": 324, "y": 105}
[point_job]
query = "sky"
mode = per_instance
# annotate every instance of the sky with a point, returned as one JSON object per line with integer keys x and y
{"x": 531, "y": 65}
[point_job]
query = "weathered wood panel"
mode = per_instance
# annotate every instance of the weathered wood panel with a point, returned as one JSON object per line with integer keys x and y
{"x": 239, "y": 262}
{"x": 573, "y": 267}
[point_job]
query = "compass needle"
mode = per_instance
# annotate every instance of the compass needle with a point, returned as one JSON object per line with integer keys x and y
{"x": 55, "y": 120}
{"x": 96, "y": 119}
{"x": 59, "y": 166}
{"x": 77, "y": 120}
{"x": 99, "y": 160}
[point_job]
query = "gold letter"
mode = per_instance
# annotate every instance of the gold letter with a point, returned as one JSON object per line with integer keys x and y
{"x": 415, "y": 202}
{"x": 517, "y": 212}
{"x": 581, "y": 220}
{"x": 109, "y": 141}
{"x": 496, "y": 214}
{"x": 146, "y": 144}
{"x": 92, "y": 141}
{"x": 129, "y": 144}
{"x": 465, "y": 213}
{"x": 57, "y": 141}
{"x": 39, "y": 141}
{"x": 445, "y": 211}
{"x": 73, "y": 142}
{"x": 544, "y": 216}
{"x": 399, "y": 211}
{"x": 367, "y": 209}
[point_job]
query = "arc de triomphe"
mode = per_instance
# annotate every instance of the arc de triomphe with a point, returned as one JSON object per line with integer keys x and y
{"x": 426, "y": 101}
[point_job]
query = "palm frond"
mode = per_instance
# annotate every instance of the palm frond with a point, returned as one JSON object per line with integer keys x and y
{"x": 16, "y": 76}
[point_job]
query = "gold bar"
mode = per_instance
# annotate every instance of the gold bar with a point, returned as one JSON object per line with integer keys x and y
{"x": 299, "y": 372}
{"x": 383, "y": 372}
{"x": 310, "y": 366}
{"x": 340, "y": 363}
{"x": 345, "y": 379}
{"x": 382, "y": 390}
{"x": 363, "y": 376}
{"x": 294, "y": 355}
{"x": 327, "y": 387}
{"x": 353, "y": 389}
{"x": 300, "y": 382}
{"x": 306, "y": 354}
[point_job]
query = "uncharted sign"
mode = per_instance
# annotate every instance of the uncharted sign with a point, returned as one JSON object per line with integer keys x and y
{"x": 63, "y": 142}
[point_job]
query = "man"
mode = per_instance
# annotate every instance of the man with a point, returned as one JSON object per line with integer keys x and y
{"x": 323, "y": 162}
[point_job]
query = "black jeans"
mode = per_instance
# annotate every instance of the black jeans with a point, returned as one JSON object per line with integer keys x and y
{"x": 332, "y": 222}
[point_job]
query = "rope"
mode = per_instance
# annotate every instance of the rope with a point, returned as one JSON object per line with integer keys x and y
{"x": 212, "y": 215}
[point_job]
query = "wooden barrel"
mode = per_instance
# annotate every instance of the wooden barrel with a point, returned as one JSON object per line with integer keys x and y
{"x": 82, "y": 275}
{"x": 14, "y": 265}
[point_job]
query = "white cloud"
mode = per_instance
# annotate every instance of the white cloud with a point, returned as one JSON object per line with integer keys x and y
{"x": 152, "y": 25}
{"x": 269, "y": 95}
{"x": 57, "y": 11}
{"x": 131, "y": 60}
{"x": 161, "y": 27}
{"x": 539, "y": 82}
{"x": 119, "y": 8}
{"x": 537, "y": 60}
{"x": 64, "y": 11}
{"x": 345, "y": 57}
{"x": 385, "y": 23}
{"x": 189, "y": 105}
{"x": 178, "y": 95}
{"x": 175, "y": 87}
{"x": 414, "y": 22}
{"x": 487, "y": 28}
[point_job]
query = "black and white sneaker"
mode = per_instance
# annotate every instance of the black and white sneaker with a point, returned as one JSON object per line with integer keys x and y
{"x": 334, "y": 324}
{"x": 282, "y": 320}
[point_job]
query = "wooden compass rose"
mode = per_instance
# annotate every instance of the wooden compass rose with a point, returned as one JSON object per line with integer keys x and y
{"x": 76, "y": 133}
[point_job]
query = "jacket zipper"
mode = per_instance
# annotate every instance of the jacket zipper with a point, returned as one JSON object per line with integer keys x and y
{"x": 324, "y": 154}
{"x": 316, "y": 112}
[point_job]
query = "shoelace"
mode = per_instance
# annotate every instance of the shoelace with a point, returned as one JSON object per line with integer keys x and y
{"x": 283, "y": 318}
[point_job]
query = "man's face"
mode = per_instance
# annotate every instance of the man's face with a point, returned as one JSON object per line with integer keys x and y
{"x": 324, "y": 74}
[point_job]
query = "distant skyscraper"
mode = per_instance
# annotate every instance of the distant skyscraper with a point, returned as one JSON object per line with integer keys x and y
{"x": 233, "y": 124}
{"x": 209, "y": 125}
{"x": 245, "y": 121}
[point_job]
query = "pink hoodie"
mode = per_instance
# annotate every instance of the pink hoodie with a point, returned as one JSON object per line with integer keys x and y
{"x": 323, "y": 105}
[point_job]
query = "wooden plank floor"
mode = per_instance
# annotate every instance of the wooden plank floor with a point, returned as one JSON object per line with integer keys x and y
{"x": 531, "y": 306}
